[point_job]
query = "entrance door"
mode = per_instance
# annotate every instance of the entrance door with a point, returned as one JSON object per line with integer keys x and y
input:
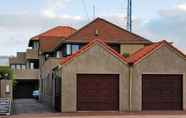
{"x": 57, "y": 94}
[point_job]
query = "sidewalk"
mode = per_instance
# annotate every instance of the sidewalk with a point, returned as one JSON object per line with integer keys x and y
{"x": 167, "y": 114}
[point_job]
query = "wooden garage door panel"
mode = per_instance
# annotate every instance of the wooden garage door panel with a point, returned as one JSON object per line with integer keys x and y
{"x": 162, "y": 92}
{"x": 97, "y": 92}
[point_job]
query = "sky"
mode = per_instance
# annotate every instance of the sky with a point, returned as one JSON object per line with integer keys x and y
{"x": 153, "y": 19}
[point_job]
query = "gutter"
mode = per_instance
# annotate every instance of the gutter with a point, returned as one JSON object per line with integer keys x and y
{"x": 130, "y": 86}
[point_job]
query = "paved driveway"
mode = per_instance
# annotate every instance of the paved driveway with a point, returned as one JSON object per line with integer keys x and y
{"x": 24, "y": 106}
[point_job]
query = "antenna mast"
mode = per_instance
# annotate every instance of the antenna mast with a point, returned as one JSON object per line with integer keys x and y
{"x": 94, "y": 11}
{"x": 129, "y": 16}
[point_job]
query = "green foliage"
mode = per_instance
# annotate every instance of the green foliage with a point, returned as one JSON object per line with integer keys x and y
{"x": 7, "y": 73}
{"x": 126, "y": 54}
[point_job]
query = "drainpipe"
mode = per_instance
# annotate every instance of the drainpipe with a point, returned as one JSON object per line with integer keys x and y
{"x": 130, "y": 86}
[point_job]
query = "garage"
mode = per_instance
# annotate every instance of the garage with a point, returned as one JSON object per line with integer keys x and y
{"x": 97, "y": 92}
{"x": 162, "y": 92}
{"x": 24, "y": 88}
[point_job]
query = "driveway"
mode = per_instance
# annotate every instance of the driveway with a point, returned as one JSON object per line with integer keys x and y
{"x": 24, "y": 106}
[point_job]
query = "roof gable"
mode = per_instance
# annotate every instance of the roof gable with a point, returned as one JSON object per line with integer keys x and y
{"x": 90, "y": 45}
{"x": 102, "y": 29}
{"x": 148, "y": 50}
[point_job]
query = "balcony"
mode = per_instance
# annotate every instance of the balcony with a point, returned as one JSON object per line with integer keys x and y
{"x": 32, "y": 54}
{"x": 19, "y": 59}
{"x": 27, "y": 74}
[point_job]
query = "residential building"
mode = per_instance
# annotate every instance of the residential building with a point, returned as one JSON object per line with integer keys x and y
{"x": 103, "y": 67}
{"x": 26, "y": 68}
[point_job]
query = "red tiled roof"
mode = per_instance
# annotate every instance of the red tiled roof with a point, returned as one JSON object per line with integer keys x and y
{"x": 49, "y": 45}
{"x": 59, "y": 31}
{"x": 107, "y": 31}
{"x": 140, "y": 54}
{"x": 51, "y": 38}
{"x": 88, "y": 46}
{"x": 133, "y": 59}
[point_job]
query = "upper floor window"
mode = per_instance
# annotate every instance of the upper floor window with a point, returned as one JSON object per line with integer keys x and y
{"x": 75, "y": 48}
{"x": 34, "y": 64}
{"x": 35, "y": 45}
{"x": 31, "y": 65}
{"x": 116, "y": 47}
{"x": 68, "y": 49}
{"x": 71, "y": 48}
{"x": 58, "y": 54}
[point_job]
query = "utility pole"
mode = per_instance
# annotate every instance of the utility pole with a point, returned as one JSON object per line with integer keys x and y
{"x": 129, "y": 16}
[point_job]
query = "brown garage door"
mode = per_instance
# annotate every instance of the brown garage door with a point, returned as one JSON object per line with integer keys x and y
{"x": 162, "y": 92}
{"x": 97, "y": 92}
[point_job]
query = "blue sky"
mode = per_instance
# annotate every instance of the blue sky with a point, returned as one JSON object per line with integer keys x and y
{"x": 153, "y": 19}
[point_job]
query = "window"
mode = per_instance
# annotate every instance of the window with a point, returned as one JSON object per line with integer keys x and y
{"x": 75, "y": 48}
{"x": 31, "y": 65}
{"x": 68, "y": 49}
{"x": 116, "y": 47}
{"x": 35, "y": 45}
{"x": 71, "y": 48}
{"x": 58, "y": 54}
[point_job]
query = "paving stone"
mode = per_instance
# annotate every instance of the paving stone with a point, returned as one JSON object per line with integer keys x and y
{"x": 23, "y": 106}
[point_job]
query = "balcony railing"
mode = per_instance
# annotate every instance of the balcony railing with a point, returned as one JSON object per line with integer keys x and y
{"x": 27, "y": 74}
{"x": 32, "y": 54}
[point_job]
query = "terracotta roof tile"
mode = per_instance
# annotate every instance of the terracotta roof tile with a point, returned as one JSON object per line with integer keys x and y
{"x": 140, "y": 54}
{"x": 51, "y": 38}
{"x": 134, "y": 58}
{"x": 49, "y": 45}
{"x": 59, "y": 31}
{"x": 88, "y": 46}
{"x": 102, "y": 29}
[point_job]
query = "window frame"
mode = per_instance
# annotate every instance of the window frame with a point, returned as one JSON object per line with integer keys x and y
{"x": 69, "y": 49}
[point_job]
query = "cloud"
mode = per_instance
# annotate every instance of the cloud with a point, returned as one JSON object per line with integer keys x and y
{"x": 182, "y": 7}
{"x": 170, "y": 25}
{"x": 17, "y": 29}
{"x": 54, "y": 8}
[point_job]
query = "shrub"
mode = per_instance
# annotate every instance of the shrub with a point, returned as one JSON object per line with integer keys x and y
{"x": 126, "y": 54}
